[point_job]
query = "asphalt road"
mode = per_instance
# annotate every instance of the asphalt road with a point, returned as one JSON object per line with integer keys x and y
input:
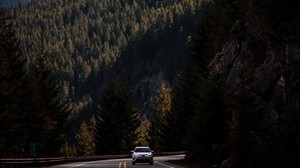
{"x": 159, "y": 162}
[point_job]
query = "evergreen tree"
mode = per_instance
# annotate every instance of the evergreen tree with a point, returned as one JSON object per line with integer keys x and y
{"x": 51, "y": 106}
{"x": 161, "y": 108}
{"x": 14, "y": 92}
{"x": 85, "y": 144}
{"x": 116, "y": 119}
{"x": 194, "y": 70}
{"x": 208, "y": 126}
{"x": 81, "y": 35}
{"x": 143, "y": 132}
{"x": 196, "y": 94}
{"x": 68, "y": 150}
{"x": 40, "y": 119}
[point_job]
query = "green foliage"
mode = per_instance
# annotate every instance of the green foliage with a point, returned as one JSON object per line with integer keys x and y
{"x": 162, "y": 102}
{"x": 14, "y": 92}
{"x": 85, "y": 143}
{"x": 68, "y": 150}
{"x": 79, "y": 39}
{"x": 143, "y": 132}
{"x": 198, "y": 114}
{"x": 161, "y": 108}
{"x": 34, "y": 110}
{"x": 279, "y": 15}
{"x": 83, "y": 37}
{"x": 208, "y": 126}
{"x": 116, "y": 119}
{"x": 50, "y": 105}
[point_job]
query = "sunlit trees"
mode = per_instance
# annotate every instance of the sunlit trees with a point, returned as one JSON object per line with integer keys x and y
{"x": 143, "y": 132}
{"x": 77, "y": 34}
{"x": 85, "y": 144}
{"x": 161, "y": 108}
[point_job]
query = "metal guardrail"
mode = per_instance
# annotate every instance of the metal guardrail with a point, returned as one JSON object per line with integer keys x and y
{"x": 169, "y": 153}
{"x": 40, "y": 162}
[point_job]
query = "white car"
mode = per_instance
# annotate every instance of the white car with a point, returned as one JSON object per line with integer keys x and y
{"x": 142, "y": 154}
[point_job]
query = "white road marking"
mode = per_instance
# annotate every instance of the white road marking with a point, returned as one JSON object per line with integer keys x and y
{"x": 79, "y": 165}
{"x": 164, "y": 164}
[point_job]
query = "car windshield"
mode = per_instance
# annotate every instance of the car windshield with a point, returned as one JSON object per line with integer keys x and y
{"x": 142, "y": 150}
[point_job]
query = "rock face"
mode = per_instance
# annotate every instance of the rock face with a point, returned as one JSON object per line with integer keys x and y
{"x": 266, "y": 65}
{"x": 146, "y": 90}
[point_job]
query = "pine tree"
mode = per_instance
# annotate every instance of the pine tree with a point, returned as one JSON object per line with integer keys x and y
{"x": 51, "y": 106}
{"x": 33, "y": 108}
{"x": 143, "y": 132}
{"x": 196, "y": 93}
{"x": 116, "y": 119}
{"x": 195, "y": 69}
{"x": 161, "y": 108}
{"x": 14, "y": 89}
{"x": 85, "y": 144}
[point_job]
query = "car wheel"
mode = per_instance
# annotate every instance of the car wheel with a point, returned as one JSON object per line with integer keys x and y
{"x": 150, "y": 163}
{"x": 133, "y": 163}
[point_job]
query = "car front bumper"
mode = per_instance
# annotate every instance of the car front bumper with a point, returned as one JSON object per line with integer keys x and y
{"x": 142, "y": 159}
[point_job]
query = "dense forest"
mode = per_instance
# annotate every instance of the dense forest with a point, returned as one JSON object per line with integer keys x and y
{"x": 218, "y": 79}
{"x": 12, "y": 3}
{"x": 84, "y": 39}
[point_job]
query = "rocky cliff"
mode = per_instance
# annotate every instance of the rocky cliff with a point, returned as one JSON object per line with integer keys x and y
{"x": 261, "y": 71}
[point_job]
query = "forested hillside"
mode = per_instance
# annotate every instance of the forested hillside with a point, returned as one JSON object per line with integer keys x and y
{"x": 85, "y": 38}
{"x": 33, "y": 108}
{"x": 12, "y": 3}
{"x": 218, "y": 79}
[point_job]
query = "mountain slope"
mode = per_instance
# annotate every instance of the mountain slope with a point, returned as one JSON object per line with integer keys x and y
{"x": 85, "y": 38}
{"x": 9, "y": 3}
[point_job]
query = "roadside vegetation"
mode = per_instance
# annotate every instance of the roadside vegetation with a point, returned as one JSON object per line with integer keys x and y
{"x": 217, "y": 79}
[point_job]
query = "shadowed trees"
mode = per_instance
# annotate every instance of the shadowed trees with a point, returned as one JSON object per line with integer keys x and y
{"x": 116, "y": 119}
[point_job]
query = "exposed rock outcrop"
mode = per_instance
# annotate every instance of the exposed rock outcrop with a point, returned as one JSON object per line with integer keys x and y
{"x": 265, "y": 65}
{"x": 146, "y": 90}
